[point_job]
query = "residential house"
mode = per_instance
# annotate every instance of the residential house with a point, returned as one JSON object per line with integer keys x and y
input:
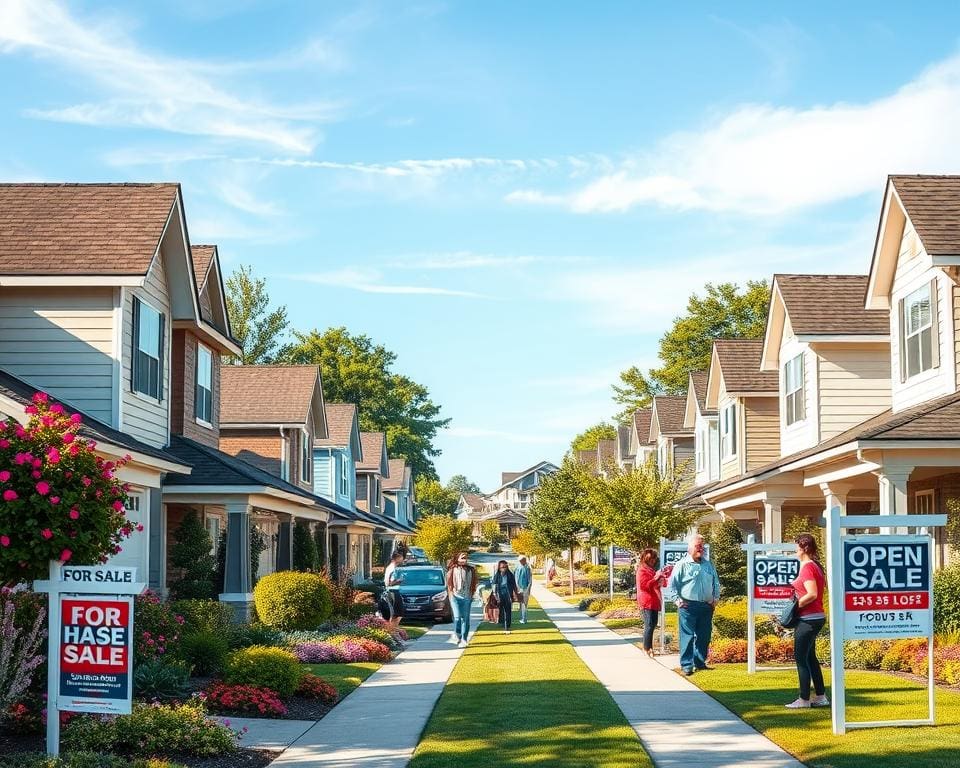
{"x": 641, "y": 448}
{"x": 399, "y": 502}
{"x": 673, "y": 441}
{"x": 471, "y": 506}
{"x": 704, "y": 423}
{"x": 625, "y": 459}
{"x": 518, "y": 489}
{"x": 606, "y": 456}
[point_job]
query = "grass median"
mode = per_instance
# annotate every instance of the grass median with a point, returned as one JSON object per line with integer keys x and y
{"x": 871, "y": 696}
{"x": 526, "y": 699}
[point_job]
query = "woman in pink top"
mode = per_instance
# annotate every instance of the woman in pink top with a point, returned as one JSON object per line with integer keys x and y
{"x": 809, "y": 587}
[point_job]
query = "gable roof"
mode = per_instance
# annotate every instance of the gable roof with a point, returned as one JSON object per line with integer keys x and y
{"x": 514, "y": 476}
{"x": 343, "y": 429}
{"x": 641, "y": 423}
{"x": 606, "y": 451}
{"x": 374, "y": 447}
{"x": 830, "y": 304}
{"x": 473, "y": 500}
{"x": 668, "y": 412}
{"x": 698, "y": 383}
{"x": 933, "y": 205}
{"x": 399, "y": 477}
{"x": 82, "y": 229}
{"x": 202, "y": 259}
{"x": 508, "y": 477}
{"x": 269, "y": 394}
{"x": 623, "y": 442}
{"x": 739, "y": 361}
{"x": 696, "y": 399}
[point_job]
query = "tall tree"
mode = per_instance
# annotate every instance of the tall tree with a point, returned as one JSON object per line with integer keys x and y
{"x": 459, "y": 484}
{"x": 588, "y": 439}
{"x": 357, "y": 370}
{"x": 255, "y": 326}
{"x": 435, "y": 499}
{"x": 725, "y": 311}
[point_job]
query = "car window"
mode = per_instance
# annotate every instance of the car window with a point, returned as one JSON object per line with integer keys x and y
{"x": 421, "y": 576}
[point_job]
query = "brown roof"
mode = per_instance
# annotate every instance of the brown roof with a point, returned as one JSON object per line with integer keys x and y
{"x": 202, "y": 256}
{"x": 508, "y": 477}
{"x": 698, "y": 380}
{"x": 607, "y": 451}
{"x": 82, "y": 229}
{"x": 587, "y": 457}
{"x": 266, "y": 394}
{"x": 396, "y": 480}
{"x": 933, "y": 205}
{"x": 740, "y": 366}
{"x": 641, "y": 421}
{"x": 474, "y": 500}
{"x": 623, "y": 441}
{"x": 372, "y": 444}
{"x": 670, "y": 412}
{"x": 340, "y": 418}
{"x": 821, "y": 304}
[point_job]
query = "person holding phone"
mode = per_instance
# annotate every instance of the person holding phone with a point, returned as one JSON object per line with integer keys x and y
{"x": 391, "y": 603}
{"x": 649, "y": 582}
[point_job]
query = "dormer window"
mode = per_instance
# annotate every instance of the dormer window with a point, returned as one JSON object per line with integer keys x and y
{"x": 203, "y": 399}
{"x": 793, "y": 390}
{"x": 918, "y": 337}
{"x": 148, "y": 336}
{"x": 728, "y": 431}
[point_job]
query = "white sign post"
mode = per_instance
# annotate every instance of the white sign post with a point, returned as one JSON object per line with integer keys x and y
{"x": 90, "y": 655}
{"x": 671, "y": 553}
{"x": 771, "y": 569}
{"x": 881, "y": 586}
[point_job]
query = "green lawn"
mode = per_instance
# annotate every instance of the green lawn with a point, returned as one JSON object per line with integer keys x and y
{"x": 345, "y": 677}
{"x": 526, "y": 700}
{"x": 871, "y": 696}
{"x": 416, "y": 630}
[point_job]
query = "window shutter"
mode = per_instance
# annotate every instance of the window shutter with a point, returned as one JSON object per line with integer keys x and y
{"x": 935, "y": 326}
{"x": 134, "y": 346}
{"x": 901, "y": 342}
{"x": 163, "y": 354}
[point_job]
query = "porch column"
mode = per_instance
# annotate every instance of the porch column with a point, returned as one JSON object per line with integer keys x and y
{"x": 237, "y": 572}
{"x": 893, "y": 492}
{"x": 773, "y": 519}
{"x": 285, "y": 546}
{"x": 157, "y": 554}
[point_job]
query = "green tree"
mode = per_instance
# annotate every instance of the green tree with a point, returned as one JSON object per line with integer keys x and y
{"x": 561, "y": 509}
{"x": 727, "y": 557}
{"x": 635, "y": 508}
{"x": 357, "y": 370}
{"x": 459, "y": 484}
{"x": 305, "y": 556}
{"x": 441, "y": 536}
{"x": 490, "y": 530}
{"x": 725, "y": 311}
{"x": 192, "y": 556}
{"x": 588, "y": 439}
{"x": 434, "y": 498}
{"x": 255, "y": 326}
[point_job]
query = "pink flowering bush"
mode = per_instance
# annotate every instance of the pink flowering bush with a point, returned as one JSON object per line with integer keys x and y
{"x": 318, "y": 652}
{"x": 20, "y": 649}
{"x": 58, "y": 499}
{"x": 157, "y": 627}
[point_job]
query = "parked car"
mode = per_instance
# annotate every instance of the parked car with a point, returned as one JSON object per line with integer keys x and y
{"x": 417, "y": 556}
{"x": 424, "y": 592}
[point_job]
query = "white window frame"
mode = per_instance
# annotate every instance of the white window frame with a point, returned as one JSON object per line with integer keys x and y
{"x": 344, "y": 477}
{"x": 926, "y": 508}
{"x": 794, "y": 410}
{"x": 136, "y": 379}
{"x": 701, "y": 440}
{"x": 920, "y": 335}
{"x": 306, "y": 456}
{"x": 213, "y": 530}
{"x": 728, "y": 431}
{"x": 198, "y": 387}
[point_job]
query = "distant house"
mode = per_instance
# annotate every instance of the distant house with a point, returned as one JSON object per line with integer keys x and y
{"x": 674, "y": 442}
{"x": 518, "y": 489}
{"x": 641, "y": 448}
{"x": 625, "y": 459}
{"x": 703, "y": 421}
{"x": 471, "y": 506}
{"x": 399, "y": 504}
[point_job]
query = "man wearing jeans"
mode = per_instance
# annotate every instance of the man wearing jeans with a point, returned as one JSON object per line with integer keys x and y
{"x": 524, "y": 583}
{"x": 461, "y": 586}
{"x": 695, "y": 588}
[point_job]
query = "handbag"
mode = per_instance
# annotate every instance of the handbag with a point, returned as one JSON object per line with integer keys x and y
{"x": 790, "y": 616}
{"x": 491, "y": 611}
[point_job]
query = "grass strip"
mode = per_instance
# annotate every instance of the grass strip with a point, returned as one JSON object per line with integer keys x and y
{"x": 345, "y": 677}
{"x": 526, "y": 699}
{"x": 871, "y": 696}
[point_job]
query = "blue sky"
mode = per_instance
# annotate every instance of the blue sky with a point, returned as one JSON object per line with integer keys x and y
{"x": 515, "y": 197}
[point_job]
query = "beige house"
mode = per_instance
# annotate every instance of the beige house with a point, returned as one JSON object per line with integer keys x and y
{"x": 704, "y": 423}
{"x": 673, "y": 441}
{"x": 641, "y": 448}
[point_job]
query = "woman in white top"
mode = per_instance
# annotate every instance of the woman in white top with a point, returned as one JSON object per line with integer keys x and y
{"x": 461, "y": 586}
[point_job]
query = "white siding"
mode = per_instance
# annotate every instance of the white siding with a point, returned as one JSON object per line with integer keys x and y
{"x": 144, "y": 417}
{"x": 731, "y": 466}
{"x": 805, "y": 433}
{"x": 854, "y": 385}
{"x": 61, "y": 340}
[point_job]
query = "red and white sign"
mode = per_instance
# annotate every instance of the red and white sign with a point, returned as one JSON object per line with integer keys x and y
{"x": 773, "y": 576}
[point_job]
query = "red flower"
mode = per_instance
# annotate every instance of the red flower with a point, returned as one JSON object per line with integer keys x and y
{"x": 10, "y": 495}
{"x": 53, "y": 455}
{"x": 74, "y": 513}
{"x": 118, "y": 506}
{"x": 54, "y": 499}
{"x": 46, "y": 533}
{"x": 69, "y": 437}
{"x": 75, "y": 418}
{"x": 4, "y": 476}
{"x": 43, "y": 487}
{"x": 65, "y": 555}
{"x": 41, "y": 397}
{"x": 4, "y": 541}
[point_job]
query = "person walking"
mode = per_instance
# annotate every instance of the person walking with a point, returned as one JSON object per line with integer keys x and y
{"x": 550, "y": 570}
{"x": 524, "y": 576}
{"x": 695, "y": 587}
{"x": 461, "y": 586}
{"x": 809, "y": 587}
{"x": 504, "y": 586}
{"x": 649, "y": 582}
{"x": 391, "y": 603}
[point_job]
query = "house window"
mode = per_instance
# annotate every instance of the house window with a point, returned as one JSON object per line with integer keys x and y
{"x": 148, "y": 335}
{"x": 923, "y": 503}
{"x": 701, "y": 450}
{"x": 306, "y": 456}
{"x": 203, "y": 399}
{"x": 285, "y": 457}
{"x": 728, "y": 431}
{"x": 662, "y": 453}
{"x": 793, "y": 390}
{"x": 213, "y": 529}
{"x": 918, "y": 318}
{"x": 344, "y": 477}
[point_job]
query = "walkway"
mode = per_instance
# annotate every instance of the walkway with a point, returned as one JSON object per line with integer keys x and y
{"x": 378, "y": 725}
{"x": 679, "y": 724}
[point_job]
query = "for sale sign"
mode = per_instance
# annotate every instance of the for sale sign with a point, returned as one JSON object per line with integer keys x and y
{"x": 622, "y": 556}
{"x": 96, "y": 650}
{"x": 887, "y": 587}
{"x": 773, "y": 578}
{"x": 672, "y": 552}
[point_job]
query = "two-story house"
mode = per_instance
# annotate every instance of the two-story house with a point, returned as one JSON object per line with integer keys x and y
{"x": 471, "y": 507}
{"x": 673, "y": 441}
{"x": 704, "y": 422}
{"x": 399, "y": 500}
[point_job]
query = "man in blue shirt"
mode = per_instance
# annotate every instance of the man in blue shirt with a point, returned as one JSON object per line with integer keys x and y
{"x": 524, "y": 583}
{"x": 695, "y": 587}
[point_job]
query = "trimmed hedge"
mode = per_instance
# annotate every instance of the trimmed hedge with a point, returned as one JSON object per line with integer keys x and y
{"x": 273, "y": 668}
{"x": 730, "y": 620}
{"x": 290, "y": 600}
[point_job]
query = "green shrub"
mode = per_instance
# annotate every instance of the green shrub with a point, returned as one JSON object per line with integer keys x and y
{"x": 273, "y": 668}
{"x": 291, "y": 600}
{"x": 865, "y": 654}
{"x": 160, "y": 679}
{"x": 152, "y": 730}
{"x": 82, "y": 760}
{"x": 730, "y": 620}
{"x": 946, "y": 599}
{"x": 205, "y": 615}
{"x": 205, "y": 652}
{"x": 594, "y": 605}
{"x": 192, "y": 559}
{"x": 245, "y": 635}
{"x": 901, "y": 653}
{"x": 305, "y": 556}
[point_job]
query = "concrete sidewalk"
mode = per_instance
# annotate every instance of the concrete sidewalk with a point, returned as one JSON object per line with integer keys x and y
{"x": 379, "y": 724}
{"x": 679, "y": 724}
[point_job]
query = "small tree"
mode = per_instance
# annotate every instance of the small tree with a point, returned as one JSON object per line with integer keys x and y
{"x": 320, "y": 541}
{"x": 191, "y": 554}
{"x": 525, "y": 543}
{"x": 727, "y": 557}
{"x": 490, "y": 531}
{"x": 435, "y": 499}
{"x": 441, "y": 537}
{"x": 589, "y": 438}
{"x": 305, "y": 556}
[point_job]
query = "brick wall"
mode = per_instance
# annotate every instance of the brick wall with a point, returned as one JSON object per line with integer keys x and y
{"x": 254, "y": 446}
{"x": 183, "y": 376}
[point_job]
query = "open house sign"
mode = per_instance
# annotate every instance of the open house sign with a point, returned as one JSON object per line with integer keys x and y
{"x": 96, "y": 654}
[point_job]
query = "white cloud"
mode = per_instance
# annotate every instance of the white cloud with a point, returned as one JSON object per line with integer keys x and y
{"x": 371, "y": 281}
{"x": 765, "y": 160}
{"x": 147, "y": 90}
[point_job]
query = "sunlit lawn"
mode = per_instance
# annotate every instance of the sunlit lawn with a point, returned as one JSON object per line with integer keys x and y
{"x": 345, "y": 677}
{"x": 871, "y": 696}
{"x": 526, "y": 700}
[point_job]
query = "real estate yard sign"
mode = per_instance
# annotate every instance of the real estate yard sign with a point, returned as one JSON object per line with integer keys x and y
{"x": 771, "y": 571}
{"x": 671, "y": 553}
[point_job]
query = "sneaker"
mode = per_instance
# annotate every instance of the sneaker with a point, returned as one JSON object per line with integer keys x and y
{"x": 798, "y": 704}
{"x": 454, "y": 637}
{"x": 820, "y": 701}
{"x": 507, "y": 632}
{"x": 688, "y": 671}
{"x": 462, "y": 644}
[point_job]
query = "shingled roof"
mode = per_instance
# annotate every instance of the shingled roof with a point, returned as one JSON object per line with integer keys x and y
{"x": 933, "y": 205}
{"x": 740, "y": 365}
{"x": 82, "y": 229}
{"x": 641, "y": 422}
{"x": 623, "y": 441}
{"x": 606, "y": 451}
{"x": 372, "y": 444}
{"x": 399, "y": 477}
{"x": 266, "y": 394}
{"x": 508, "y": 477}
{"x": 670, "y": 412}
{"x": 202, "y": 256}
{"x": 340, "y": 420}
{"x": 698, "y": 380}
{"x": 830, "y": 304}
{"x": 474, "y": 501}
